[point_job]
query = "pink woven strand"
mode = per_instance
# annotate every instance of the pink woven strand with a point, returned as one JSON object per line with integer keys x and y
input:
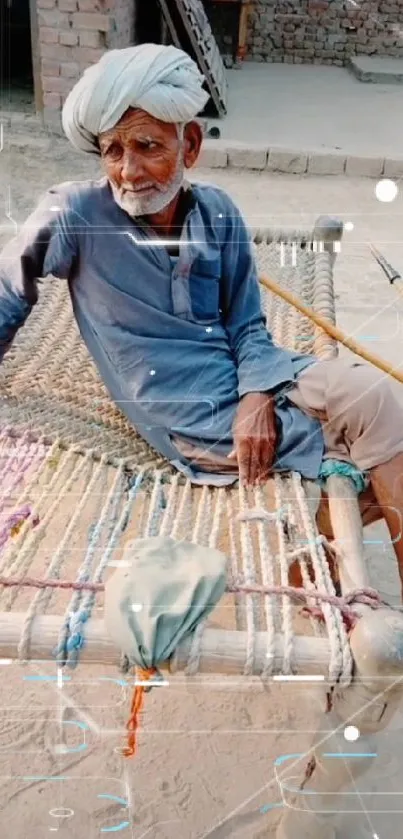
{"x": 366, "y": 596}
{"x": 33, "y": 582}
{"x": 32, "y": 458}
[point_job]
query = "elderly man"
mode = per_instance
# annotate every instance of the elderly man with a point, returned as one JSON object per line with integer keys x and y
{"x": 164, "y": 289}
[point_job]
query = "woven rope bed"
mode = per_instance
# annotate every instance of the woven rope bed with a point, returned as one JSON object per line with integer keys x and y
{"x": 77, "y": 483}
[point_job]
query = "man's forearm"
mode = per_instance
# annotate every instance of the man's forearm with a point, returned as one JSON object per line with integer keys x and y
{"x": 14, "y": 311}
{"x": 262, "y": 366}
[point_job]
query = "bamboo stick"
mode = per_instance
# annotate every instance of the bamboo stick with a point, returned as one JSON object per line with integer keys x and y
{"x": 330, "y": 329}
{"x": 398, "y": 285}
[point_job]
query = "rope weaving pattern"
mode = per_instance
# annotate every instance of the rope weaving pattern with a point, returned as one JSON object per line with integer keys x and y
{"x": 49, "y": 383}
{"x": 367, "y": 596}
{"x": 78, "y": 483}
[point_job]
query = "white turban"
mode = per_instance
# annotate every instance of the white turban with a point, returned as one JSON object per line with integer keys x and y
{"x": 162, "y": 80}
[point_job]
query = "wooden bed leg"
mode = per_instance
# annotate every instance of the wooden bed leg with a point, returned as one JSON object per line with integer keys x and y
{"x": 368, "y": 704}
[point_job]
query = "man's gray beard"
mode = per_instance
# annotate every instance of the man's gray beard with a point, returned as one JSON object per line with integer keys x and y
{"x": 155, "y": 203}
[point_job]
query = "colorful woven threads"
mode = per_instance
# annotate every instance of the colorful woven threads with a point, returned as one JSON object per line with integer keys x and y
{"x": 142, "y": 676}
{"x": 14, "y": 523}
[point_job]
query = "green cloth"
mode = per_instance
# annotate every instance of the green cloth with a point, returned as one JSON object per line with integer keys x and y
{"x": 160, "y": 596}
{"x": 347, "y": 470}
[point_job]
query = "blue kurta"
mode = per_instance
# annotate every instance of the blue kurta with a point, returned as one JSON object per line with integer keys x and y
{"x": 177, "y": 341}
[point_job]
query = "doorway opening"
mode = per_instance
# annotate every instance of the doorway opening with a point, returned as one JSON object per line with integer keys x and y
{"x": 16, "y": 67}
{"x": 149, "y": 22}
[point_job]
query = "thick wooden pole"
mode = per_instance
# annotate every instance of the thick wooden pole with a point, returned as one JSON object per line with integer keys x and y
{"x": 222, "y": 651}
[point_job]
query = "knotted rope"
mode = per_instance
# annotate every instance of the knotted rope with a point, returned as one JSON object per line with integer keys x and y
{"x": 365, "y": 596}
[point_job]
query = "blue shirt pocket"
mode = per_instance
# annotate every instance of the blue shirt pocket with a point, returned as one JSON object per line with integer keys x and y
{"x": 204, "y": 288}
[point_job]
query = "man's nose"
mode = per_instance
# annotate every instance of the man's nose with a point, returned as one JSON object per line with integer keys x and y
{"x": 132, "y": 168}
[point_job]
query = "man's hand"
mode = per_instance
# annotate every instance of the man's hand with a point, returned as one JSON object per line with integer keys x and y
{"x": 255, "y": 438}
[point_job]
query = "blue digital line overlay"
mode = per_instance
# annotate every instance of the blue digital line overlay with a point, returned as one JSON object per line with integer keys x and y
{"x": 268, "y": 807}
{"x": 122, "y": 825}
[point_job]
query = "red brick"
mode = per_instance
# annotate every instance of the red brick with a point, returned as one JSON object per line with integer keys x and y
{"x": 48, "y": 35}
{"x": 86, "y": 55}
{"x": 51, "y": 100}
{"x": 68, "y": 38}
{"x": 67, "y": 5}
{"x": 70, "y": 70}
{"x": 55, "y": 52}
{"x": 56, "y": 84}
{"x": 50, "y": 68}
{"x": 91, "y": 21}
{"x": 53, "y": 18}
{"x": 90, "y": 39}
{"x": 89, "y": 5}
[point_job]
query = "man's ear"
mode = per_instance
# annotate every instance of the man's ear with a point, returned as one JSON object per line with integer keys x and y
{"x": 193, "y": 138}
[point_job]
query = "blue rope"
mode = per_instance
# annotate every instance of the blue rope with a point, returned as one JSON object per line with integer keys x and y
{"x": 72, "y": 637}
{"x": 346, "y": 470}
{"x": 68, "y": 650}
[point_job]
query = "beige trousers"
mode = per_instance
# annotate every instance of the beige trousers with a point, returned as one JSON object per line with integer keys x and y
{"x": 361, "y": 418}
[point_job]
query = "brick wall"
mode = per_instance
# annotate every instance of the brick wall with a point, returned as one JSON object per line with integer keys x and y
{"x": 73, "y": 34}
{"x": 324, "y": 31}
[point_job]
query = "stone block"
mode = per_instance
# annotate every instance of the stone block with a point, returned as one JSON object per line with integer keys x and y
{"x": 365, "y": 167}
{"x": 90, "y": 39}
{"x": 213, "y": 155}
{"x": 52, "y": 100}
{"x": 377, "y": 69}
{"x": 247, "y": 156}
{"x": 68, "y": 38}
{"x": 50, "y": 68}
{"x": 286, "y": 160}
{"x": 69, "y": 70}
{"x": 393, "y": 168}
{"x": 89, "y": 5}
{"x": 67, "y": 5}
{"x": 326, "y": 163}
{"x": 53, "y": 18}
{"x": 94, "y": 21}
{"x": 55, "y": 51}
{"x": 86, "y": 55}
{"x": 47, "y": 35}
{"x": 56, "y": 84}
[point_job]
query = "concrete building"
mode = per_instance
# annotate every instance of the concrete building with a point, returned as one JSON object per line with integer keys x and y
{"x": 45, "y": 46}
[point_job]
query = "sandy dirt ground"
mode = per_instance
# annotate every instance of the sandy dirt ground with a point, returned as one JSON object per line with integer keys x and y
{"x": 205, "y": 767}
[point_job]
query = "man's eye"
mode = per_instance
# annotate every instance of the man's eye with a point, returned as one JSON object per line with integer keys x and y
{"x": 150, "y": 145}
{"x": 113, "y": 151}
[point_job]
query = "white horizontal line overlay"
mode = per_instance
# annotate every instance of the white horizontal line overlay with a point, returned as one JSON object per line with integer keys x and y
{"x": 120, "y": 563}
{"x": 158, "y": 243}
{"x": 311, "y": 678}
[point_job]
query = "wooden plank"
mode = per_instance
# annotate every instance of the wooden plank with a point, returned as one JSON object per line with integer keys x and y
{"x": 189, "y": 26}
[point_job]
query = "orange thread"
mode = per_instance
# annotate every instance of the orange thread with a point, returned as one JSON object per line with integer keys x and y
{"x": 136, "y": 709}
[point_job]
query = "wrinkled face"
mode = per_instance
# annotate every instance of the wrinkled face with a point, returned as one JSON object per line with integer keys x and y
{"x": 145, "y": 160}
